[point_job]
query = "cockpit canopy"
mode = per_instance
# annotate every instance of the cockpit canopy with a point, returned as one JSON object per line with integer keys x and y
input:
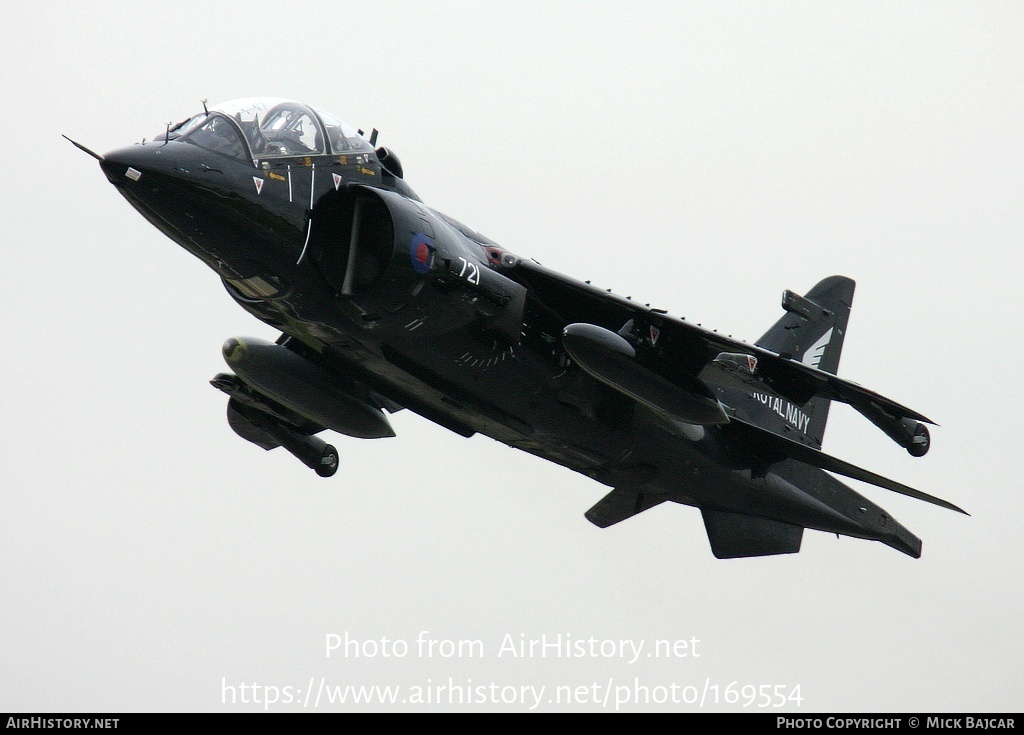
{"x": 267, "y": 127}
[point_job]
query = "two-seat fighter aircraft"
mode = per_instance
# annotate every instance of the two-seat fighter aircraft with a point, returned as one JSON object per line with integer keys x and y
{"x": 384, "y": 303}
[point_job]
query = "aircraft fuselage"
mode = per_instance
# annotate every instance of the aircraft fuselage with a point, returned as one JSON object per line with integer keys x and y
{"x": 415, "y": 310}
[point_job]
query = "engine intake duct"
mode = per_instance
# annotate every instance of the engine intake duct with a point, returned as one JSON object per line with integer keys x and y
{"x": 352, "y": 239}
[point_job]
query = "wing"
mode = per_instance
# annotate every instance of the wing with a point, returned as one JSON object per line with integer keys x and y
{"x": 679, "y": 350}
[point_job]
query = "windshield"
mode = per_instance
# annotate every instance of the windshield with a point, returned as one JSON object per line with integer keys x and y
{"x": 217, "y": 133}
{"x": 271, "y": 128}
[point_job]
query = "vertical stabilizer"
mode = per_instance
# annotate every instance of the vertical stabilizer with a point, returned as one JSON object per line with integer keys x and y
{"x": 812, "y": 332}
{"x": 814, "y": 325}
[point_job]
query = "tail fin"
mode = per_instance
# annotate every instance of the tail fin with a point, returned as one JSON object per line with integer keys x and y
{"x": 812, "y": 332}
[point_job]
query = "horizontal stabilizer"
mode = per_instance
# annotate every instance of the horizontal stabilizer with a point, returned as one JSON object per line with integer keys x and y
{"x": 618, "y": 505}
{"x": 767, "y": 443}
{"x": 734, "y": 535}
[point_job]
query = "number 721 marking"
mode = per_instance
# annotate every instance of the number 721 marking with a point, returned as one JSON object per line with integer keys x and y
{"x": 470, "y": 271}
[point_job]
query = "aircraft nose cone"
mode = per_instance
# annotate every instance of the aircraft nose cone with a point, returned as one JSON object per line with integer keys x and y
{"x": 126, "y": 166}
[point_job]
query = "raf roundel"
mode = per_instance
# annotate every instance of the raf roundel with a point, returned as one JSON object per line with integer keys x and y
{"x": 421, "y": 252}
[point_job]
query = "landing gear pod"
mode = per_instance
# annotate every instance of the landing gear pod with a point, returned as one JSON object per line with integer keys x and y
{"x": 909, "y": 433}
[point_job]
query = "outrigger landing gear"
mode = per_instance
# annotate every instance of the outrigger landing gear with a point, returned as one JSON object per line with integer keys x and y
{"x": 921, "y": 442}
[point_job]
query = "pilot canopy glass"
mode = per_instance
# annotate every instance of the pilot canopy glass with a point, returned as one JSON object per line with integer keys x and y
{"x": 260, "y": 128}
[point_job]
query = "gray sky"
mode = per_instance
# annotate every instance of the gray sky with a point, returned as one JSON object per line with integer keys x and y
{"x": 700, "y": 156}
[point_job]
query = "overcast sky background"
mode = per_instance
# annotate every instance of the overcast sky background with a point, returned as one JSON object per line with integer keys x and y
{"x": 700, "y": 156}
